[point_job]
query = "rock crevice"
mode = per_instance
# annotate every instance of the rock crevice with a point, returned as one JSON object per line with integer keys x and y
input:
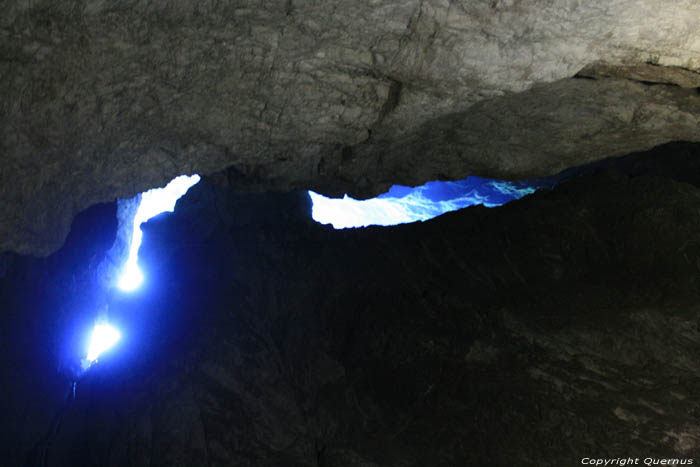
{"x": 535, "y": 333}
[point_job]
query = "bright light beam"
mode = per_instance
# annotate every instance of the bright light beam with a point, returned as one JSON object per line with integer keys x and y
{"x": 403, "y": 204}
{"x": 103, "y": 337}
{"x": 153, "y": 202}
{"x": 348, "y": 212}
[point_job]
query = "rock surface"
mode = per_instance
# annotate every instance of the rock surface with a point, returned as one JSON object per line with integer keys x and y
{"x": 561, "y": 326}
{"x": 105, "y": 99}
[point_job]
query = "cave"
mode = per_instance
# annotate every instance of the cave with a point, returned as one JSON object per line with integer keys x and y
{"x": 555, "y": 324}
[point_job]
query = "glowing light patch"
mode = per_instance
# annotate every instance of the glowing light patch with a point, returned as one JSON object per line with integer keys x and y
{"x": 103, "y": 337}
{"x": 404, "y": 204}
{"x": 153, "y": 202}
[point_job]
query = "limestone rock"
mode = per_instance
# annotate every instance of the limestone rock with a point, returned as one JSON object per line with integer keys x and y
{"x": 108, "y": 98}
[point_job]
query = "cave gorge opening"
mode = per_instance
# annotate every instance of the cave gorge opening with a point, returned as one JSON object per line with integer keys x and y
{"x": 545, "y": 313}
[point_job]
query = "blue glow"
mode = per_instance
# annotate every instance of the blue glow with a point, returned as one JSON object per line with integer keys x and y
{"x": 153, "y": 202}
{"x": 103, "y": 337}
{"x": 405, "y": 204}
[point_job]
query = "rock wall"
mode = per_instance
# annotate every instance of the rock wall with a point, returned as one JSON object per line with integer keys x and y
{"x": 106, "y": 99}
{"x": 560, "y": 326}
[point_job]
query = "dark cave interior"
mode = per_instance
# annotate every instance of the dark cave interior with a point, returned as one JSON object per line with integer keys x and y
{"x": 562, "y": 326}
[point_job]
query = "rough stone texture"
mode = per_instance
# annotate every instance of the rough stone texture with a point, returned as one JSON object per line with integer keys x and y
{"x": 647, "y": 73}
{"x": 108, "y": 98}
{"x": 561, "y": 326}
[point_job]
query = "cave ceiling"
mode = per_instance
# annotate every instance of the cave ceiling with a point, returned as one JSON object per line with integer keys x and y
{"x": 105, "y": 99}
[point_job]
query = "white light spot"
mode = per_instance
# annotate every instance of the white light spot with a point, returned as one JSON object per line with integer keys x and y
{"x": 403, "y": 204}
{"x": 103, "y": 337}
{"x": 153, "y": 202}
{"x": 348, "y": 212}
